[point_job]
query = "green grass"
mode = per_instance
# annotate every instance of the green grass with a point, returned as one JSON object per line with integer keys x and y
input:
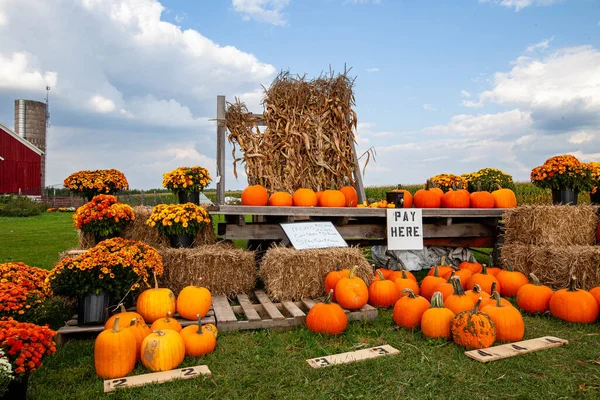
{"x": 268, "y": 364}
{"x": 36, "y": 241}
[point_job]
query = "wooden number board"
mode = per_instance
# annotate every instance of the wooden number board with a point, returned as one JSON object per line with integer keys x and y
{"x": 352, "y": 356}
{"x": 156, "y": 377}
{"x": 515, "y": 349}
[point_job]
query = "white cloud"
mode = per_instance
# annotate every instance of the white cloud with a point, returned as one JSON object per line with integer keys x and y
{"x": 179, "y": 17}
{"x": 581, "y": 137}
{"x": 543, "y": 45}
{"x": 102, "y": 105}
{"x": 504, "y": 124}
{"x": 17, "y": 73}
{"x": 266, "y": 11}
{"x": 464, "y": 93}
{"x": 428, "y": 107}
{"x": 374, "y": 69}
{"x": 3, "y": 20}
{"x": 520, "y": 4}
{"x": 472, "y": 103}
{"x": 363, "y": 2}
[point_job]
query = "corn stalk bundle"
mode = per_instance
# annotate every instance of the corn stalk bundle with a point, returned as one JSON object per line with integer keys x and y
{"x": 309, "y": 135}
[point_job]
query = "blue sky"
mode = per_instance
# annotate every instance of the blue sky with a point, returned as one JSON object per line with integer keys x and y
{"x": 442, "y": 86}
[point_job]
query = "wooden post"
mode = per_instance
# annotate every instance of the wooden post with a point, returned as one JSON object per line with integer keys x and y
{"x": 360, "y": 189}
{"x": 221, "y": 128}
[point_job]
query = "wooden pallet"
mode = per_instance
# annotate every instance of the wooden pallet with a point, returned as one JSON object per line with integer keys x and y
{"x": 263, "y": 313}
{"x": 256, "y": 313}
{"x": 72, "y": 329}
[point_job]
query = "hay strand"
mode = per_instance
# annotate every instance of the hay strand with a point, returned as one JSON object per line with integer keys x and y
{"x": 290, "y": 274}
{"x": 551, "y": 225}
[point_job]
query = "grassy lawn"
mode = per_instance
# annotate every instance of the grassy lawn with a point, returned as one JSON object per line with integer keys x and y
{"x": 36, "y": 241}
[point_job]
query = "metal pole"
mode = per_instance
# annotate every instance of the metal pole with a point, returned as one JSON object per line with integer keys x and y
{"x": 221, "y": 128}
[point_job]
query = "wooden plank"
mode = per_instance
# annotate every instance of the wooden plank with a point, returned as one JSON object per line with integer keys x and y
{"x": 248, "y": 307}
{"x": 268, "y": 305}
{"x": 308, "y": 303}
{"x": 223, "y": 311}
{"x": 156, "y": 377}
{"x": 293, "y": 309}
{"x": 352, "y": 356}
{"x": 355, "y": 212}
{"x": 221, "y": 130}
{"x": 514, "y": 349}
{"x": 75, "y": 253}
{"x": 360, "y": 231}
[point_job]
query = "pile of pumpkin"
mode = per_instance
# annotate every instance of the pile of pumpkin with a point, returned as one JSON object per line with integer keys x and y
{"x": 127, "y": 338}
{"x": 257, "y": 195}
{"x": 461, "y": 303}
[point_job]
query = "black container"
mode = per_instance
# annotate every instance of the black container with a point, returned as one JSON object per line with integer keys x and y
{"x": 17, "y": 389}
{"x": 396, "y": 198}
{"x": 188, "y": 197}
{"x": 595, "y": 198}
{"x": 181, "y": 241}
{"x": 564, "y": 196}
{"x": 93, "y": 309}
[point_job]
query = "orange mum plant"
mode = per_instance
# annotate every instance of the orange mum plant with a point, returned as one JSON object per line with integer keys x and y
{"x": 24, "y": 275}
{"x": 446, "y": 181}
{"x": 115, "y": 266}
{"x": 103, "y": 216}
{"x": 25, "y": 344}
{"x": 187, "y": 179}
{"x": 178, "y": 219}
{"x": 595, "y": 168}
{"x": 563, "y": 172}
{"x": 102, "y": 181}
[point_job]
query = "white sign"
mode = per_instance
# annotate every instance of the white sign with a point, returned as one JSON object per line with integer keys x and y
{"x": 358, "y": 355}
{"x": 313, "y": 235}
{"x": 404, "y": 229}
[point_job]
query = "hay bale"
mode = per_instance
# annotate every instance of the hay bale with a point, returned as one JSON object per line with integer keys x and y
{"x": 293, "y": 274}
{"x": 138, "y": 230}
{"x": 553, "y": 265}
{"x": 220, "y": 268}
{"x": 551, "y": 225}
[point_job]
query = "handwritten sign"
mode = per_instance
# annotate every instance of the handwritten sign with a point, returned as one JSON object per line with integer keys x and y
{"x": 156, "y": 377}
{"x": 404, "y": 229}
{"x": 352, "y": 356}
{"x": 313, "y": 235}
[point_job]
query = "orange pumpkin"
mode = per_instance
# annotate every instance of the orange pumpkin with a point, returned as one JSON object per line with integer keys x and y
{"x": 193, "y": 300}
{"x": 436, "y": 321}
{"x": 493, "y": 299}
{"x": 281, "y": 199}
{"x": 401, "y": 272}
{"x": 350, "y": 195}
{"x": 408, "y": 198}
{"x": 459, "y": 198}
{"x": 446, "y": 288}
{"x": 574, "y": 305}
{"x": 114, "y": 352}
{"x": 594, "y": 292}
{"x": 140, "y": 331}
{"x": 166, "y": 323}
{"x": 430, "y": 282}
{"x": 409, "y": 309}
{"x": 443, "y": 269}
{"x": 535, "y": 297}
{"x": 504, "y": 198}
{"x": 463, "y": 275}
{"x": 481, "y": 198}
{"x": 458, "y": 301}
{"x": 493, "y": 270}
{"x": 484, "y": 280}
{"x": 473, "y": 329}
{"x": 305, "y": 198}
{"x": 510, "y": 280}
{"x": 332, "y": 198}
{"x": 352, "y": 292}
{"x": 508, "y": 320}
{"x": 163, "y": 350}
{"x": 332, "y": 279}
{"x": 319, "y": 194}
{"x": 429, "y": 197}
{"x": 153, "y": 304}
{"x": 327, "y": 317}
{"x": 125, "y": 316}
{"x": 472, "y": 265}
{"x": 406, "y": 283}
{"x": 476, "y": 293}
{"x": 383, "y": 292}
{"x": 255, "y": 195}
{"x": 198, "y": 340}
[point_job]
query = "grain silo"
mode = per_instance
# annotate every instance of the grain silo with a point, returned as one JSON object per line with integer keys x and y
{"x": 30, "y": 124}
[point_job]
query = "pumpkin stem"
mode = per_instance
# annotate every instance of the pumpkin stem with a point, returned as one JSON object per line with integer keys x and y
{"x": 381, "y": 277}
{"x": 496, "y": 296}
{"x": 493, "y": 288}
{"x": 155, "y": 281}
{"x": 133, "y": 322}
{"x": 498, "y": 186}
{"x": 411, "y": 294}
{"x": 509, "y": 266}
{"x": 402, "y": 266}
{"x": 437, "y": 300}
{"x": 442, "y": 261}
{"x": 387, "y": 263}
{"x": 476, "y": 288}
{"x": 479, "y": 186}
{"x": 458, "y": 289}
{"x": 476, "y": 306}
{"x": 484, "y": 269}
{"x": 535, "y": 279}
{"x": 115, "y": 328}
{"x": 199, "y": 325}
{"x": 329, "y": 296}
{"x": 436, "y": 271}
{"x": 572, "y": 284}
{"x": 168, "y": 317}
{"x": 352, "y": 271}
{"x": 122, "y": 307}
{"x": 404, "y": 276}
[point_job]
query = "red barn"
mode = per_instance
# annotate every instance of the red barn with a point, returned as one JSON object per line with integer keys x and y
{"x": 20, "y": 164}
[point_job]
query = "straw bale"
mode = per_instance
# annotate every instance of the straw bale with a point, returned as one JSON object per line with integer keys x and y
{"x": 138, "y": 230}
{"x": 555, "y": 225}
{"x": 220, "y": 268}
{"x": 553, "y": 265}
{"x": 294, "y": 274}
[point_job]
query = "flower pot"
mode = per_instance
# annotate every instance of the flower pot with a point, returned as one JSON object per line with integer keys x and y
{"x": 181, "y": 241}
{"x": 17, "y": 388}
{"x": 188, "y": 197}
{"x": 564, "y": 196}
{"x": 595, "y": 197}
{"x": 93, "y": 309}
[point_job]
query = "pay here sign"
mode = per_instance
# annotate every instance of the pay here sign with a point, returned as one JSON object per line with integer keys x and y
{"x": 404, "y": 229}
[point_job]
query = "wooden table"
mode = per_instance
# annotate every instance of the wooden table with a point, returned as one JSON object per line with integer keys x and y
{"x": 457, "y": 227}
